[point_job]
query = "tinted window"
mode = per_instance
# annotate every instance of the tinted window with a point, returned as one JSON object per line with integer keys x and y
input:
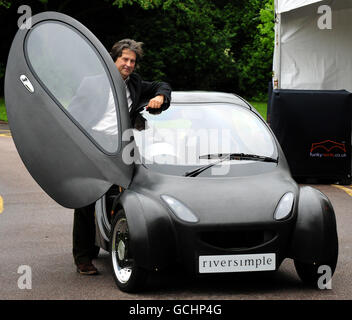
{"x": 71, "y": 70}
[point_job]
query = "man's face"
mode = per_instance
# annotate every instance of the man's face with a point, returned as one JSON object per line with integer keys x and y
{"x": 126, "y": 63}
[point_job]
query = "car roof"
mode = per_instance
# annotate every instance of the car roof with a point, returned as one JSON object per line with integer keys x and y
{"x": 207, "y": 97}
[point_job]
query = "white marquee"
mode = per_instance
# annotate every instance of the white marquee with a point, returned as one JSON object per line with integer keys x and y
{"x": 313, "y": 45}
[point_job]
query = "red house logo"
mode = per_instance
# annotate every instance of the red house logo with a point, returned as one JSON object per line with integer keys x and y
{"x": 328, "y": 145}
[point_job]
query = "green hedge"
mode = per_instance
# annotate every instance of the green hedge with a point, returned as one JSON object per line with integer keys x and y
{"x": 3, "y": 116}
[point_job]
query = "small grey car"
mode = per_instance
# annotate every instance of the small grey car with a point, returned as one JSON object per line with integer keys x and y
{"x": 203, "y": 185}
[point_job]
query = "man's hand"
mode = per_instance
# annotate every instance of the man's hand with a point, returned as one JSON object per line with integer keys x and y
{"x": 156, "y": 102}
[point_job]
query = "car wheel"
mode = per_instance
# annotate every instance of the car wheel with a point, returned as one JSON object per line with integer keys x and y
{"x": 127, "y": 275}
{"x": 308, "y": 272}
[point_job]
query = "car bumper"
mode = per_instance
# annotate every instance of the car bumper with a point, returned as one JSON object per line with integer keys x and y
{"x": 229, "y": 245}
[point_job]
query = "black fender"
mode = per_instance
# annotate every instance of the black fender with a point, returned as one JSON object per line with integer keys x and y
{"x": 315, "y": 235}
{"x": 152, "y": 240}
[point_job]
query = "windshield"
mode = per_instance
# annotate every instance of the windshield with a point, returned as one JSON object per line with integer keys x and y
{"x": 185, "y": 134}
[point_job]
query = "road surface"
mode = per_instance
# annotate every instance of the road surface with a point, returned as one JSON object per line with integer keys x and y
{"x": 36, "y": 260}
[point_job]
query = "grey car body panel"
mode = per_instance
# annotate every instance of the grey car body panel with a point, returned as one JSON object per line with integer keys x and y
{"x": 245, "y": 199}
{"x": 152, "y": 239}
{"x": 315, "y": 236}
{"x": 240, "y": 200}
{"x": 57, "y": 153}
{"x": 158, "y": 238}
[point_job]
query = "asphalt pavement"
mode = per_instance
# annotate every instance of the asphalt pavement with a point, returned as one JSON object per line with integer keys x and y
{"x": 36, "y": 260}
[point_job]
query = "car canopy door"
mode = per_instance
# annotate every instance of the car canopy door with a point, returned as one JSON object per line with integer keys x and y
{"x": 67, "y": 110}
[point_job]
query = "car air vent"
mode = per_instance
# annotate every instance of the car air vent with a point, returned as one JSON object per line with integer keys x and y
{"x": 236, "y": 239}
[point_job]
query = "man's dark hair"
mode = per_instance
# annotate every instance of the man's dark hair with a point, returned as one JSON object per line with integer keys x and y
{"x": 118, "y": 47}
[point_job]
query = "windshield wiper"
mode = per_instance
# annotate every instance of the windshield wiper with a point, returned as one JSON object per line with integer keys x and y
{"x": 199, "y": 170}
{"x": 238, "y": 156}
{"x": 227, "y": 156}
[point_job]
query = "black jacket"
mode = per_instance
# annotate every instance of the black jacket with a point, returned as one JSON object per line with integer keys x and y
{"x": 142, "y": 91}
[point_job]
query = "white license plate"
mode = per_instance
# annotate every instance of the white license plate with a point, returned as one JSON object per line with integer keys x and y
{"x": 237, "y": 263}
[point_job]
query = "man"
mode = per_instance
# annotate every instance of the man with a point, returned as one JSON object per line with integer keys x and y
{"x": 156, "y": 96}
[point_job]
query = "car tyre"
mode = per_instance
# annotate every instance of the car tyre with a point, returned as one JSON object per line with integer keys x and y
{"x": 127, "y": 275}
{"x": 308, "y": 272}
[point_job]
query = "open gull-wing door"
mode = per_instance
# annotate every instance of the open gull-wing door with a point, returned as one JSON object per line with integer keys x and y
{"x": 67, "y": 110}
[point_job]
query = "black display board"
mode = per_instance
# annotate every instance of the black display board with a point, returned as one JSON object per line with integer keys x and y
{"x": 314, "y": 131}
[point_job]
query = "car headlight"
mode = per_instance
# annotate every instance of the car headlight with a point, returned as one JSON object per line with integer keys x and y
{"x": 179, "y": 209}
{"x": 284, "y": 208}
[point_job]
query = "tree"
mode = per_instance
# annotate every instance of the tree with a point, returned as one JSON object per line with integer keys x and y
{"x": 210, "y": 45}
{"x": 193, "y": 44}
{"x": 255, "y": 61}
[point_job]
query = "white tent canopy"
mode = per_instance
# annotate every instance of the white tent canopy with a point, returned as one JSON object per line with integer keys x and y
{"x": 309, "y": 53}
{"x": 288, "y": 5}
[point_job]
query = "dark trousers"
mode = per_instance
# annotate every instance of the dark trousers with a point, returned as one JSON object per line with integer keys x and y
{"x": 84, "y": 248}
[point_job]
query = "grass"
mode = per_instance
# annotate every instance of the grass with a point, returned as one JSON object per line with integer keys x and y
{"x": 260, "y": 106}
{"x": 3, "y": 116}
